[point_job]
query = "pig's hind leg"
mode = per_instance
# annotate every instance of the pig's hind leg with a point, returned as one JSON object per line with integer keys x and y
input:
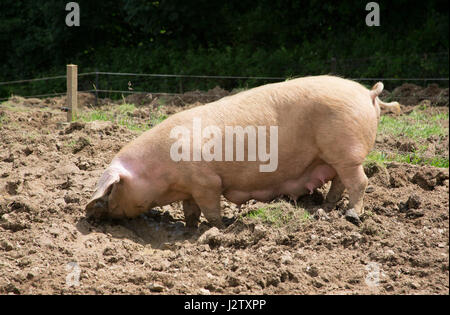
{"x": 355, "y": 181}
{"x": 191, "y": 213}
{"x": 335, "y": 192}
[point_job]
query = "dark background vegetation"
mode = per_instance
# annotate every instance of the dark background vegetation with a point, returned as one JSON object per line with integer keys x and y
{"x": 233, "y": 37}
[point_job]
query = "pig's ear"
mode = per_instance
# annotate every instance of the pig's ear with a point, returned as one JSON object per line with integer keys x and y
{"x": 110, "y": 177}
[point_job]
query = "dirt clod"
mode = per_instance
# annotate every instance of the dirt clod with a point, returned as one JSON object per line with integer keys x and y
{"x": 212, "y": 237}
{"x": 320, "y": 214}
{"x": 414, "y": 201}
{"x": 155, "y": 287}
{"x": 313, "y": 271}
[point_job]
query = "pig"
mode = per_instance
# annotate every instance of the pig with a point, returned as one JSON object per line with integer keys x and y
{"x": 326, "y": 126}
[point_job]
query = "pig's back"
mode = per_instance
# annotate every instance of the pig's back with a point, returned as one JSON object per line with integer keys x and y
{"x": 317, "y": 118}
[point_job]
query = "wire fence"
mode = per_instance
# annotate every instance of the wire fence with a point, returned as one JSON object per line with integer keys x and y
{"x": 420, "y": 69}
{"x": 133, "y": 83}
{"x": 114, "y": 84}
{"x": 155, "y": 75}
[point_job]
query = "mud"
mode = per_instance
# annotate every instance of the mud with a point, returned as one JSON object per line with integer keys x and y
{"x": 48, "y": 171}
{"x": 411, "y": 94}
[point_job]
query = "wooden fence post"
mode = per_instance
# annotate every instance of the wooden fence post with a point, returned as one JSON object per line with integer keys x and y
{"x": 96, "y": 87}
{"x": 72, "y": 91}
{"x": 181, "y": 85}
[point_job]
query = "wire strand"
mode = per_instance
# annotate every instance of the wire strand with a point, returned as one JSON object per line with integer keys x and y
{"x": 156, "y": 75}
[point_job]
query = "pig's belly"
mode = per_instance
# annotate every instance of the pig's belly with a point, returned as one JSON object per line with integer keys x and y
{"x": 312, "y": 178}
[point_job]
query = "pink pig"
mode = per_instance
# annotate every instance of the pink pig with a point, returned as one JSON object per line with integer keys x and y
{"x": 325, "y": 127}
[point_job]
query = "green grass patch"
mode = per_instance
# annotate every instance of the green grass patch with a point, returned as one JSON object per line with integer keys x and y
{"x": 71, "y": 143}
{"x": 14, "y": 108}
{"x": 157, "y": 118}
{"x": 126, "y": 108}
{"x": 162, "y": 100}
{"x": 3, "y": 120}
{"x": 279, "y": 214}
{"x": 411, "y": 158}
{"x": 121, "y": 114}
{"x": 416, "y": 125}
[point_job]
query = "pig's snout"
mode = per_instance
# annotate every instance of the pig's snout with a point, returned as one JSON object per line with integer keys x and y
{"x": 97, "y": 209}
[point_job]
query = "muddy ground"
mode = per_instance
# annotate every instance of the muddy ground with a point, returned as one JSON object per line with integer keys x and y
{"x": 49, "y": 170}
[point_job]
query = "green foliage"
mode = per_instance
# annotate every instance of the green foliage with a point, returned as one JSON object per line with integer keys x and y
{"x": 265, "y": 38}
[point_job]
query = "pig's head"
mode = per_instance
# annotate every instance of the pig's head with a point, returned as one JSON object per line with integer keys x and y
{"x": 113, "y": 196}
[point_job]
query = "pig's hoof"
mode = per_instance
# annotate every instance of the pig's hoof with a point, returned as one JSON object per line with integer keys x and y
{"x": 191, "y": 224}
{"x": 329, "y": 206}
{"x": 352, "y": 217}
{"x": 217, "y": 223}
{"x": 220, "y": 226}
{"x": 228, "y": 221}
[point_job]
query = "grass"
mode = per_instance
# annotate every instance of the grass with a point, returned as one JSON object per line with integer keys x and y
{"x": 157, "y": 118}
{"x": 417, "y": 126}
{"x": 14, "y": 108}
{"x": 162, "y": 100}
{"x": 412, "y": 158}
{"x": 71, "y": 143}
{"x": 279, "y": 214}
{"x": 3, "y": 120}
{"x": 121, "y": 115}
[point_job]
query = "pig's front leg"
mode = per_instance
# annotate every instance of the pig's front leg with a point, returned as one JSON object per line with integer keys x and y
{"x": 210, "y": 207}
{"x": 191, "y": 213}
{"x": 207, "y": 197}
{"x": 355, "y": 181}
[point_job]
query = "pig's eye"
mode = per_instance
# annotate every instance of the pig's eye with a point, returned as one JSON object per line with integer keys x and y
{"x": 101, "y": 203}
